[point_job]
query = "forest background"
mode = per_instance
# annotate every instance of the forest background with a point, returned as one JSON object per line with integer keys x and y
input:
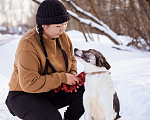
{"x": 124, "y": 17}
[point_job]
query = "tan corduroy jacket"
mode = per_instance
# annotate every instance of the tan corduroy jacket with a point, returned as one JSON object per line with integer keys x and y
{"x": 30, "y": 61}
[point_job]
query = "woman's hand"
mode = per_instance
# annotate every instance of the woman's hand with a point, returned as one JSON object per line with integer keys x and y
{"x": 72, "y": 79}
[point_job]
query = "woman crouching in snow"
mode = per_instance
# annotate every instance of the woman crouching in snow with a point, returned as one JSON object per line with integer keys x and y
{"x": 44, "y": 60}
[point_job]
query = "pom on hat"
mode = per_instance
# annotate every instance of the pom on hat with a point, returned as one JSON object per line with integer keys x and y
{"x": 51, "y": 12}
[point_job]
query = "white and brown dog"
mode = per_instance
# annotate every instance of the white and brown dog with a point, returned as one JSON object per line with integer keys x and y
{"x": 100, "y": 99}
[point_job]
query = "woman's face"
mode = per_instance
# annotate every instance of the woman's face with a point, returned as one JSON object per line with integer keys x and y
{"x": 54, "y": 30}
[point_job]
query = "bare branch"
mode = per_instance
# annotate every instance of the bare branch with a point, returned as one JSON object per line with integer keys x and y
{"x": 36, "y": 1}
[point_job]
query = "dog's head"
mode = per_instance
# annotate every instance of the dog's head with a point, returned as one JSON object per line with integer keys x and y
{"x": 93, "y": 57}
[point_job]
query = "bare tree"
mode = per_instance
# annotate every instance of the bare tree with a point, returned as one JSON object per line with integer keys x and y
{"x": 148, "y": 2}
{"x": 137, "y": 20}
{"x": 3, "y": 12}
{"x": 32, "y": 14}
{"x": 125, "y": 17}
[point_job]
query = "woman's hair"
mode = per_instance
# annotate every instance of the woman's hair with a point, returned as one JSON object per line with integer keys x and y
{"x": 41, "y": 39}
{"x": 45, "y": 53}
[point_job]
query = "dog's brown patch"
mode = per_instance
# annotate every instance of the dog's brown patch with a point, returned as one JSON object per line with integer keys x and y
{"x": 100, "y": 59}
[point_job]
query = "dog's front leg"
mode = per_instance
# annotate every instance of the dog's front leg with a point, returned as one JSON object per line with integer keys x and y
{"x": 87, "y": 114}
{"x": 87, "y": 107}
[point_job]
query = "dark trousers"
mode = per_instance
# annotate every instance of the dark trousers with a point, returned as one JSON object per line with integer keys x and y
{"x": 44, "y": 106}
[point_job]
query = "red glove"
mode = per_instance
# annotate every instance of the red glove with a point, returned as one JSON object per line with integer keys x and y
{"x": 71, "y": 88}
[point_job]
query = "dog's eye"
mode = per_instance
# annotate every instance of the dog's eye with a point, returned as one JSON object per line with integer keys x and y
{"x": 89, "y": 51}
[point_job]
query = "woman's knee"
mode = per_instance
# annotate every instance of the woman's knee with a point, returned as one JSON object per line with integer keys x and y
{"x": 35, "y": 108}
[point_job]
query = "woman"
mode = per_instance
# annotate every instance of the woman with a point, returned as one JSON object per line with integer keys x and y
{"x": 44, "y": 60}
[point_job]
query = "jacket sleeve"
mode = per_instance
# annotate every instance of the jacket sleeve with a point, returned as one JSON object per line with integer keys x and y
{"x": 73, "y": 69}
{"x": 29, "y": 78}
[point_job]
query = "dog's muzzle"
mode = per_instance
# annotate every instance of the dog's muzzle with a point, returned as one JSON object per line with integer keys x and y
{"x": 78, "y": 52}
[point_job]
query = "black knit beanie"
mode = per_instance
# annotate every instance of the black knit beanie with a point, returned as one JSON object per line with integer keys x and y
{"x": 51, "y": 12}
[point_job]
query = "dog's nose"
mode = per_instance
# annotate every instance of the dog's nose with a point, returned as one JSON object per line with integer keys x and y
{"x": 75, "y": 50}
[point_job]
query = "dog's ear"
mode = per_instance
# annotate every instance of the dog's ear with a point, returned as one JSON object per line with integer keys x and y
{"x": 102, "y": 62}
{"x": 107, "y": 65}
{"x": 99, "y": 62}
{"x": 100, "y": 59}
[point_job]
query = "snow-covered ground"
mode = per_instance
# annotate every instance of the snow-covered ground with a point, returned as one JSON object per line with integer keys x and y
{"x": 130, "y": 71}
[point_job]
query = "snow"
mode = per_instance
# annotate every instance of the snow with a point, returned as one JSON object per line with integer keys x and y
{"x": 40, "y": 1}
{"x": 8, "y": 38}
{"x": 130, "y": 71}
